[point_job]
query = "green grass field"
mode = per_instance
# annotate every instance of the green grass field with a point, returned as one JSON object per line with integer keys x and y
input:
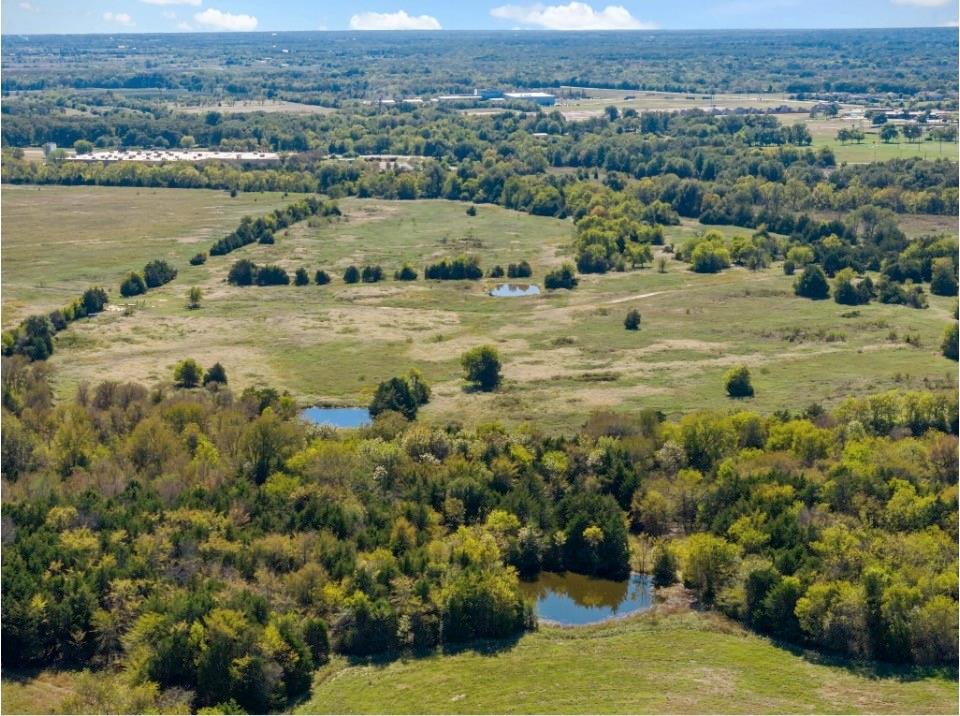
{"x": 872, "y": 149}
{"x": 688, "y": 663}
{"x": 565, "y": 353}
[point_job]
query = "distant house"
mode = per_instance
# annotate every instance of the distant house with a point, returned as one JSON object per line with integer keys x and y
{"x": 543, "y": 98}
{"x": 49, "y": 148}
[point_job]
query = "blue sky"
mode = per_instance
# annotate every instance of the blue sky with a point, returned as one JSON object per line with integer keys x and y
{"x": 115, "y": 16}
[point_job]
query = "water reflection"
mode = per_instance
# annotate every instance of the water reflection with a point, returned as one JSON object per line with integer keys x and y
{"x": 338, "y": 417}
{"x": 574, "y": 599}
{"x": 511, "y": 290}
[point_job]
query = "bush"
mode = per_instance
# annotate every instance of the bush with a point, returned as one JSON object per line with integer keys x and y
{"x": 709, "y": 256}
{"x": 193, "y": 297}
{"x": 948, "y": 346}
{"x": 496, "y": 271}
{"x": 471, "y": 210}
{"x": 198, "y": 259}
{"x": 664, "y": 568}
{"x": 158, "y": 272}
{"x": 520, "y": 270}
{"x": 242, "y": 273}
{"x": 93, "y": 300}
{"x": 133, "y": 285}
{"x": 266, "y": 238}
{"x": 789, "y": 267}
{"x": 481, "y": 367}
{"x": 943, "y": 281}
{"x": 632, "y": 321}
{"x": 301, "y": 277}
{"x": 216, "y": 374}
{"x": 458, "y": 269}
{"x": 406, "y": 273}
{"x": 737, "y": 382}
{"x": 371, "y": 274}
{"x": 271, "y": 275}
{"x": 563, "y": 277}
{"x": 812, "y": 283}
{"x": 394, "y": 394}
{"x": 321, "y": 277}
{"x": 187, "y": 373}
{"x": 351, "y": 275}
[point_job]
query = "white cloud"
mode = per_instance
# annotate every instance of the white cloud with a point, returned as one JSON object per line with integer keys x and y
{"x": 399, "y": 20}
{"x": 920, "y": 3}
{"x": 195, "y": 3}
{"x": 28, "y": 7}
{"x": 574, "y": 16}
{"x": 226, "y": 20}
{"x": 120, "y": 18}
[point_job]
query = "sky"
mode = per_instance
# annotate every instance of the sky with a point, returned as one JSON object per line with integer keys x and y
{"x": 122, "y": 16}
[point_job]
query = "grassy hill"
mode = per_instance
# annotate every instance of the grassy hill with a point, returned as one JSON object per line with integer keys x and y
{"x": 685, "y": 663}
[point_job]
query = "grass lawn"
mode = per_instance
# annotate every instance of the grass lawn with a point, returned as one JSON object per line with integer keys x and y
{"x": 565, "y": 353}
{"x": 687, "y": 663}
{"x": 35, "y": 693}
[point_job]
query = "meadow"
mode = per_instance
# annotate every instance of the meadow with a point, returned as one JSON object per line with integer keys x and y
{"x": 565, "y": 353}
{"x": 682, "y": 663}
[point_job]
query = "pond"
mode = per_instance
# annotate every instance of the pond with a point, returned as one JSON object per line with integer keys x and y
{"x": 337, "y": 417}
{"x": 511, "y": 290}
{"x": 574, "y": 599}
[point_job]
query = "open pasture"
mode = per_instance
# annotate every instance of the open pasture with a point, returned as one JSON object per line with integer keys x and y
{"x": 565, "y": 353}
{"x": 872, "y": 148}
{"x": 596, "y": 100}
{"x": 686, "y": 663}
{"x": 243, "y": 106}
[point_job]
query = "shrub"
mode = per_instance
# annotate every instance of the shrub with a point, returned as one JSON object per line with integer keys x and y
{"x": 133, "y": 285}
{"x": 271, "y": 275}
{"x": 520, "y": 270}
{"x": 481, "y": 367}
{"x": 943, "y": 281}
{"x": 664, "y": 568}
{"x": 471, "y": 210}
{"x": 351, "y": 275}
{"x": 187, "y": 373}
{"x": 215, "y": 374}
{"x": 242, "y": 273}
{"x": 563, "y": 277}
{"x": 848, "y": 294}
{"x": 321, "y": 277}
{"x": 266, "y": 238}
{"x": 789, "y": 267}
{"x": 948, "y": 346}
{"x": 496, "y": 271}
{"x": 371, "y": 274}
{"x": 193, "y": 297}
{"x": 93, "y": 300}
{"x": 632, "y": 321}
{"x": 198, "y": 259}
{"x": 458, "y": 269}
{"x": 709, "y": 256}
{"x": 301, "y": 277}
{"x": 394, "y": 394}
{"x": 406, "y": 273}
{"x": 661, "y": 264}
{"x": 812, "y": 283}
{"x": 158, "y": 272}
{"x": 737, "y": 382}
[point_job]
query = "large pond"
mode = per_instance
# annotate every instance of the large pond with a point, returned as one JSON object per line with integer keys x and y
{"x": 512, "y": 290}
{"x": 574, "y": 599}
{"x": 338, "y": 417}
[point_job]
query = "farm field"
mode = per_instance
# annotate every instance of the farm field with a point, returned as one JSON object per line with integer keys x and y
{"x": 597, "y": 99}
{"x": 872, "y": 149}
{"x": 243, "y": 106}
{"x": 686, "y": 663}
{"x": 565, "y": 352}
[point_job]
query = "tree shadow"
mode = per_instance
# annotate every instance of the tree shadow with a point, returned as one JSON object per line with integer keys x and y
{"x": 482, "y": 647}
{"x": 867, "y": 669}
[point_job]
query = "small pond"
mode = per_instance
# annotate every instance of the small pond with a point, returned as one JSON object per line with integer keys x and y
{"x": 574, "y": 599}
{"x": 337, "y": 417}
{"x": 511, "y": 290}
